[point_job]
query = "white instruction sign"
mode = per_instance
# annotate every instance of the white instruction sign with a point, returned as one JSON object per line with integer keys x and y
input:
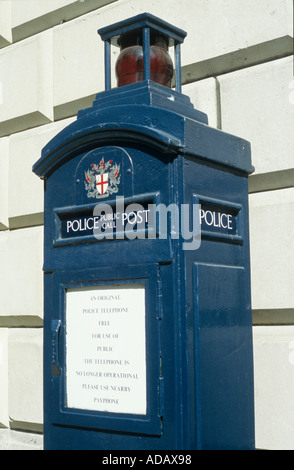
{"x": 106, "y": 349}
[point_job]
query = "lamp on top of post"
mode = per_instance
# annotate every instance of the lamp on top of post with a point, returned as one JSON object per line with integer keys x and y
{"x": 144, "y": 41}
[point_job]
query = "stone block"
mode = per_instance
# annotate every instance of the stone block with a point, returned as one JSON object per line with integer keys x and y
{"x": 4, "y": 414}
{"x": 21, "y": 254}
{"x": 5, "y": 24}
{"x": 4, "y": 172}
{"x": 272, "y": 249}
{"x": 25, "y": 375}
{"x": 203, "y": 95}
{"x": 31, "y": 16}
{"x": 26, "y": 198}
{"x": 218, "y": 28}
{"x": 16, "y": 440}
{"x": 274, "y": 387}
{"x": 26, "y": 75}
{"x": 77, "y": 70}
{"x": 256, "y": 105}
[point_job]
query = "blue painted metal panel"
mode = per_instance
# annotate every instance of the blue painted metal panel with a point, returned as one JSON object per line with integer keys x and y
{"x": 223, "y": 340}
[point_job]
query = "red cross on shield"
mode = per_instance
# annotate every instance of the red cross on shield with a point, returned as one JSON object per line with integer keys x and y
{"x": 102, "y": 183}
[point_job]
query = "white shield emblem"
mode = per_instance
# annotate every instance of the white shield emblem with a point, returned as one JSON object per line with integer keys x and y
{"x": 102, "y": 179}
{"x": 102, "y": 183}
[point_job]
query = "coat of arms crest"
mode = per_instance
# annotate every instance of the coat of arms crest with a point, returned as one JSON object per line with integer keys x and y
{"x": 102, "y": 179}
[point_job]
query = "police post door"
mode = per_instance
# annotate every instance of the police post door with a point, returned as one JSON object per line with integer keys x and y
{"x": 147, "y": 322}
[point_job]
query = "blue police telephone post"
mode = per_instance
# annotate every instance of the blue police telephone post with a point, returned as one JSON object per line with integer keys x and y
{"x": 147, "y": 318}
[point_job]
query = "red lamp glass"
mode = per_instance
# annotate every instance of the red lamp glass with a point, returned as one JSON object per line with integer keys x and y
{"x": 130, "y": 63}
